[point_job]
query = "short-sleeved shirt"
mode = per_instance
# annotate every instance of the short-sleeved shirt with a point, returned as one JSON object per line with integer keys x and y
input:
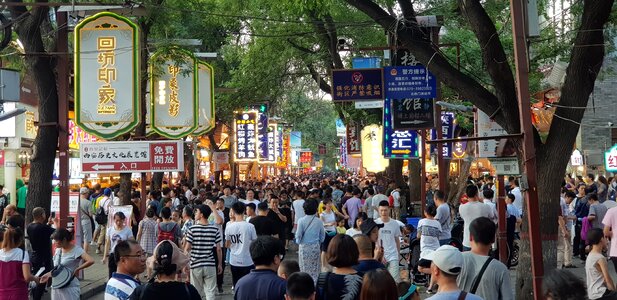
{"x": 298, "y": 209}
{"x": 388, "y": 235}
{"x": 115, "y": 236}
{"x": 396, "y": 196}
{"x": 429, "y": 230}
{"x": 148, "y": 235}
{"x": 342, "y": 286}
{"x": 598, "y": 210}
{"x": 596, "y": 287}
{"x": 610, "y": 220}
{"x": 120, "y": 287}
{"x": 443, "y": 216}
{"x": 203, "y": 239}
{"x": 169, "y": 226}
{"x": 40, "y": 239}
{"x": 260, "y": 284}
{"x": 263, "y": 225}
{"x": 353, "y": 206}
{"x": 469, "y": 212}
{"x": 495, "y": 283}
{"x": 240, "y": 235}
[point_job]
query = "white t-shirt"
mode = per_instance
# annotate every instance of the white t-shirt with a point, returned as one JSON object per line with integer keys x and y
{"x": 518, "y": 198}
{"x": 388, "y": 235}
{"x": 352, "y": 231}
{"x": 469, "y": 212}
{"x": 115, "y": 236}
{"x": 298, "y": 208}
{"x": 397, "y": 198}
{"x": 254, "y": 201}
{"x": 328, "y": 218}
{"x": 493, "y": 209}
{"x": 240, "y": 235}
{"x": 429, "y": 230}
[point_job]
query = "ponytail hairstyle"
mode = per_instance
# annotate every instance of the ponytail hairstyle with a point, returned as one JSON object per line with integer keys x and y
{"x": 13, "y": 238}
{"x": 163, "y": 260}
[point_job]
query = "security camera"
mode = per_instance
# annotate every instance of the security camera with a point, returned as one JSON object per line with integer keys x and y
{"x": 610, "y": 124}
{"x": 341, "y": 42}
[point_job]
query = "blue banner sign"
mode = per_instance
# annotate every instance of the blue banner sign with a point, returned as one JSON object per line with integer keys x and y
{"x": 357, "y": 84}
{"x": 403, "y": 144}
{"x": 447, "y": 132}
{"x": 409, "y": 82}
{"x": 366, "y": 62}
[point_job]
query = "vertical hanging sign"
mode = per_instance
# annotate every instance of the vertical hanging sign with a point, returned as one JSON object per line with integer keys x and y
{"x": 205, "y": 91}
{"x": 353, "y": 138}
{"x": 106, "y": 75}
{"x": 245, "y": 128}
{"x": 263, "y": 137}
{"x": 270, "y": 144}
{"x": 174, "y": 93}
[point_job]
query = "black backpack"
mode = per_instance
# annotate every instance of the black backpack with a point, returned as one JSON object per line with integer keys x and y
{"x": 100, "y": 216}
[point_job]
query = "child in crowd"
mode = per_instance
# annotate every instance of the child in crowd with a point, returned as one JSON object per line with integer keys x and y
{"x": 599, "y": 282}
{"x": 287, "y": 268}
{"x": 428, "y": 233}
{"x": 340, "y": 225}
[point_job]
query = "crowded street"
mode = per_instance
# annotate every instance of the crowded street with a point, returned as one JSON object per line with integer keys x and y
{"x": 302, "y": 150}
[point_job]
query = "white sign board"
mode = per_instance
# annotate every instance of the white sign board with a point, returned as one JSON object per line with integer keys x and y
{"x": 132, "y": 157}
{"x": 576, "y": 159}
{"x": 369, "y": 104}
{"x": 206, "y": 98}
{"x": 505, "y": 165}
{"x": 491, "y": 148}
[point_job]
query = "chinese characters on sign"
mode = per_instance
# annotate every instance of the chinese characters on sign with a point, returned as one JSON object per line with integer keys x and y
{"x": 459, "y": 149}
{"x": 263, "y": 138}
{"x": 174, "y": 93}
{"x": 174, "y": 103}
{"x": 492, "y": 148}
{"x": 357, "y": 84}
{"x": 413, "y": 113}
{"x": 409, "y": 82}
{"x": 163, "y": 156}
{"x": 284, "y": 162}
{"x": 447, "y": 132}
{"x": 206, "y": 98}
{"x": 106, "y": 46}
{"x": 353, "y": 138}
{"x": 246, "y": 136}
{"x": 372, "y": 159}
{"x": 398, "y": 143}
{"x": 270, "y": 144}
{"x": 306, "y": 158}
{"x": 31, "y": 128}
{"x": 610, "y": 159}
{"x": 131, "y": 157}
{"x": 78, "y": 136}
{"x": 106, "y": 75}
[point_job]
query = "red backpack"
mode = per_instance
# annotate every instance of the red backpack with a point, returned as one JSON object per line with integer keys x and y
{"x": 166, "y": 235}
{"x": 391, "y": 200}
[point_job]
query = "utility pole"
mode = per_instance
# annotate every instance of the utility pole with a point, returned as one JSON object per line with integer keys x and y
{"x": 517, "y": 10}
{"x": 63, "y": 112}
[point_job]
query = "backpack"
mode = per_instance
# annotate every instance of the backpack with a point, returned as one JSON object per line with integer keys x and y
{"x": 166, "y": 235}
{"x": 100, "y": 216}
{"x": 3, "y": 201}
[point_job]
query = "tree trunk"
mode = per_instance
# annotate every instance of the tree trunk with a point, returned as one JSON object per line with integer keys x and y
{"x": 394, "y": 172}
{"x": 125, "y": 187}
{"x": 41, "y": 66}
{"x": 415, "y": 184}
{"x": 157, "y": 181}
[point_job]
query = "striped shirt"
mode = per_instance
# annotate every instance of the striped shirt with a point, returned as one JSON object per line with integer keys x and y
{"x": 120, "y": 287}
{"x": 203, "y": 239}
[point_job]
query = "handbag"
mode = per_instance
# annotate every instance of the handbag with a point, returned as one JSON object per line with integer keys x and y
{"x": 61, "y": 276}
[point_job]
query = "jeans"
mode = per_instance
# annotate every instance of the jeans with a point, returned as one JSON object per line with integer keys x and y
{"x": 394, "y": 270}
{"x": 579, "y": 242}
{"x": 239, "y": 272}
{"x": 204, "y": 280}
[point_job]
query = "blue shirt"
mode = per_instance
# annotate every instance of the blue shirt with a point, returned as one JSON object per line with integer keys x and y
{"x": 310, "y": 230}
{"x": 453, "y": 296}
{"x": 261, "y": 284}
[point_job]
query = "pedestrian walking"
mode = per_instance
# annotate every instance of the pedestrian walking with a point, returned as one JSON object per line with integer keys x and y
{"x": 39, "y": 233}
{"x": 389, "y": 239}
{"x": 238, "y": 238}
{"x": 309, "y": 236}
{"x": 119, "y": 231}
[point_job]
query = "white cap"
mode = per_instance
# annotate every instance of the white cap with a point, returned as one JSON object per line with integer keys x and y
{"x": 447, "y": 258}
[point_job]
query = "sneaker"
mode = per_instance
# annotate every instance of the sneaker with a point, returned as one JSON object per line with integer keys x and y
{"x": 98, "y": 251}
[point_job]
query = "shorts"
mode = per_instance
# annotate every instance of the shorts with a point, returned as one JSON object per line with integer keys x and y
{"x": 86, "y": 231}
{"x": 424, "y": 263}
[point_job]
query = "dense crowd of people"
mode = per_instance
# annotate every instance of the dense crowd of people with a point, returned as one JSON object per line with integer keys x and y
{"x": 351, "y": 242}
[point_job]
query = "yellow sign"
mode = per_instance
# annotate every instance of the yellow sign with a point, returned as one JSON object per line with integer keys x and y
{"x": 372, "y": 139}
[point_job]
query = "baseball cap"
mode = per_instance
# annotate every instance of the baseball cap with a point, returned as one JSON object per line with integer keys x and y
{"x": 107, "y": 192}
{"x": 368, "y": 226}
{"x": 447, "y": 258}
{"x": 84, "y": 191}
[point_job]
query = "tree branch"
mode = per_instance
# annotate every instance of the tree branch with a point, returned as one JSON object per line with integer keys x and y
{"x": 301, "y": 48}
{"x": 323, "y": 84}
{"x": 586, "y": 60}
{"x": 411, "y": 38}
{"x": 494, "y": 58}
{"x": 408, "y": 12}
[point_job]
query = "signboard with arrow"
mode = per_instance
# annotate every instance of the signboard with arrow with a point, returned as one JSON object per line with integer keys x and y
{"x": 132, "y": 157}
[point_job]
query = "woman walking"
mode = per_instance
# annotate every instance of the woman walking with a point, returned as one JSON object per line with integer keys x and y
{"x": 310, "y": 234}
{"x": 71, "y": 257}
{"x": 119, "y": 231}
{"x": 146, "y": 234}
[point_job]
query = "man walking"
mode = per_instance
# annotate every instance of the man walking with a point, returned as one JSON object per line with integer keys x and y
{"x": 493, "y": 281}
{"x": 201, "y": 239}
{"x": 389, "y": 239}
{"x": 239, "y": 235}
{"x": 581, "y": 210}
{"x": 470, "y": 211}
{"x": 443, "y": 216}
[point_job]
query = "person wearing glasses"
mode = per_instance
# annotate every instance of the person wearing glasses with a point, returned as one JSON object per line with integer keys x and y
{"x": 131, "y": 260}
